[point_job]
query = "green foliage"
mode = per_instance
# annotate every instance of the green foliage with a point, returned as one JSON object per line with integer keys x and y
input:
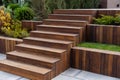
{"x": 39, "y": 8}
{"x": 7, "y": 2}
{"x": 23, "y": 13}
{"x": 108, "y": 20}
{"x": 15, "y": 30}
{"x": 105, "y": 20}
{"x": 13, "y": 6}
{"x": 50, "y": 5}
{"x": 100, "y": 46}
{"x": 117, "y": 19}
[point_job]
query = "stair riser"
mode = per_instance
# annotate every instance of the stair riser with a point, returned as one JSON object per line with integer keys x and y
{"x": 30, "y": 61}
{"x": 57, "y": 29}
{"x": 65, "y": 17}
{"x": 48, "y": 44}
{"x": 38, "y": 52}
{"x": 75, "y": 39}
{"x": 65, "y": 23}
{"x": 25, "y": 73}
{"x": 80, "y": 12}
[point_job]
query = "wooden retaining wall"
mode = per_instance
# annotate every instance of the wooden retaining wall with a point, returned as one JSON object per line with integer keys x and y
{"x": 30, "y": 25}
{"x": 109, "y": 34}
{"x": 97, "y": 61}
{"x": 108, "y": 12}
{"x": 8, "y": 44}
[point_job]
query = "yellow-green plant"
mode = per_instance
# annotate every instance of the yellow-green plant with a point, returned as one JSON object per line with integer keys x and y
{"x": 11, "y": 27}
{"x": 5, "y": 17}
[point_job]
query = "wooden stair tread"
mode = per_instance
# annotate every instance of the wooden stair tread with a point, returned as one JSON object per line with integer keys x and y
{"x": 35, "y": 57}
{"x": 69, "y": 15}
{"x": 41, "y": 48}
{"x": 56, "y": 26}
{"x": 24, "y": 66}
{"x": 48, "y": 40}
{"x": 55, "y": 33}
{"x": 64, "y": 20}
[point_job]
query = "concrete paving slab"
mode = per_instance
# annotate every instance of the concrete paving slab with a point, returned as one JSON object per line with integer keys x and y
{"x": 8, "y": 76}
{"x": 92, "y": 76}
{"x": 62, "y": 77}
{"x": 71, "y": 72}
{"x": 2, "y": 56}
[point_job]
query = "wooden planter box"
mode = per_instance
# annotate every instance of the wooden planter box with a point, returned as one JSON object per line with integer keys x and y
{"x": 97, "y": 61}
{"x": 8, "y": 44}
{"x": 30, "y": 25}
{"x": 109, "y": 34}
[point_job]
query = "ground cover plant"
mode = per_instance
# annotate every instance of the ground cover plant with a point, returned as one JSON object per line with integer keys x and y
{"x": 108, "y": 20}
{"x": 100, "y": 46}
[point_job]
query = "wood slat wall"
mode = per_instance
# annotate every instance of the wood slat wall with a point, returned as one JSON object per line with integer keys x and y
{"x": 30, "y": 25}
{"x": 8, "y": 44}
{"x": 103, "y": 34}
{"x": 97, "y": 61}
{"x": 107, "y": 12}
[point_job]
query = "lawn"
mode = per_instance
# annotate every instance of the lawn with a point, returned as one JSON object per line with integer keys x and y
{"x": 100, "y": 46}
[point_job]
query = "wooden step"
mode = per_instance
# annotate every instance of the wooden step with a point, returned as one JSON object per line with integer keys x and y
{"x": 64, "y": 29}
{"x": 37, "y": 60}
{"x": 76, "y": 11}
{"x": 33, "y": 49}
{"x": 56, "y": 35}
{"x": 76, "y": 23}
{"x": 49, "y": 43}
{"x": 47, "y": 51}
{"x": 25, "y": 70}
{"x": 70, "y": 17}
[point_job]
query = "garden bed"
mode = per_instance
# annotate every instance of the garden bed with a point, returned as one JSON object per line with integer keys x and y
{"x": 7, "y": 44}
{"x": 103, "y": 33}
{"x": 98, "y": 61}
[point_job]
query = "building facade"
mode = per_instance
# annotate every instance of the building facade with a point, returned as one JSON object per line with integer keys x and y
{"x": 110, "y": 4}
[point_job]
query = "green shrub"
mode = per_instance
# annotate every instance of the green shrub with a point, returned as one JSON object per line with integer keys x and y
{"x": 15, "y": 30}
{"x": 23, "y": 13}
{"x": 105, "y": 20}
{"x": 117, "y": 19}
{"x": 13, "y": 6}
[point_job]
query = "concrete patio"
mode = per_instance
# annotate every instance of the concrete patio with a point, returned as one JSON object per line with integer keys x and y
{"x": 70, "y": 74}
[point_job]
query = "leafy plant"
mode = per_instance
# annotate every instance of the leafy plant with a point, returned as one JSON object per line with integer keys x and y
{"x": 11, "y": 27}
{"x": 117, "y": 19}
{"x": 13, "y": 6}
{"x": 15, "y": 30}
{"x": 105, "y": 20}
{"x": 5, "y": 17}
{"x": 23, "y": 13}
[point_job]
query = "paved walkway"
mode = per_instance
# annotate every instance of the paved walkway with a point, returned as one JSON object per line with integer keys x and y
{"x": 70, "y": 74}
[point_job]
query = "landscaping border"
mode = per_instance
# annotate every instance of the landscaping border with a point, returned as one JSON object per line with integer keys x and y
{"x": 97, "y": 61}
{"x": 30, "y": 24}
{"x": 8, "y": 44}
{"x": 109, "y": 34}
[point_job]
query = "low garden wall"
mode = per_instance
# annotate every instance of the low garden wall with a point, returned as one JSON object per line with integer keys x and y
{"x": 108, "y": 12}
{"x": 30, "y": 25}
{"x": 97, "y": 61}
{"x": 8, "y": 44}
{"x": 109, "y": 34}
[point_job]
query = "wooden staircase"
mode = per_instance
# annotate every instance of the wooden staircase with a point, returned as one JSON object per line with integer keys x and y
{"x": 46, "y": 53}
